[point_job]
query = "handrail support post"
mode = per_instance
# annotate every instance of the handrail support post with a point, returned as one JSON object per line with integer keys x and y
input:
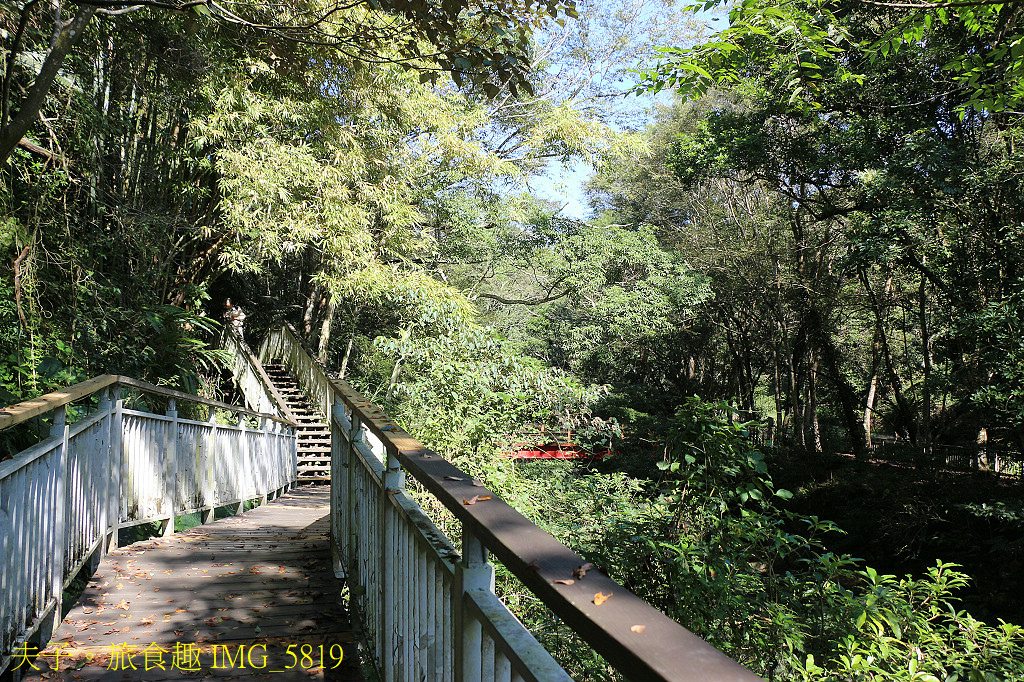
{"x": 393, "y": 482}
{"x": 116, "y": 467}
{"x": 170, "y": 451}
{"x": 473, "y": 572}
{"x": 341, "y": 475}
{"x": 59, "y": 429}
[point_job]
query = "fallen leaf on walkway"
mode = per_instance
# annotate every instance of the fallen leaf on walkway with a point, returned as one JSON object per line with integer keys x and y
{"x": 564, "y": 582}
{"x": 638, "y": 629}
{"x": 601, "y": 598}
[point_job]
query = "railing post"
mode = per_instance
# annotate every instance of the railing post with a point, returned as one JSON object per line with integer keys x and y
{"x": 394, "y": 481}
{"x": 355, "y": 432}
{"x": 244, "y": 458}
{"x": 260, "y": 461}
{"x": 100, "y": 460}
{"x": 204, "y": 478}
{"x": 340, "y": 475}
{"x": 116, "y": 465}
{"x": 171, "y": 452}
{"x": 472, "y": 572}
{"x": 60, "y": 492}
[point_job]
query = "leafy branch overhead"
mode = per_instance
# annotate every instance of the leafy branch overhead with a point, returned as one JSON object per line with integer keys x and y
{"x": 806, "y": 42}
{"x": 483, "y": 45}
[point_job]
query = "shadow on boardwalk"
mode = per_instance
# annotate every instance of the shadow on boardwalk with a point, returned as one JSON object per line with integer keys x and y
{"x": 248, "y": 597}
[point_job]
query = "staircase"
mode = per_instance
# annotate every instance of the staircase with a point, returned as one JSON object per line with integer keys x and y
{"x": 314, "y": 447}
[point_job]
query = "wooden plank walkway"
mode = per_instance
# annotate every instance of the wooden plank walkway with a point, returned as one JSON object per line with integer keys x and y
{"x": 226, "y": 600}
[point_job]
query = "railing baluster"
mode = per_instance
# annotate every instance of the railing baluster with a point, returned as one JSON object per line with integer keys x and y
{"x": 448, "y": 626}
{"x": 423, "y": 596}
{"x": 486, "y": 657}
{"x": 502, "y": 668}
{"x": 170, "y": 482}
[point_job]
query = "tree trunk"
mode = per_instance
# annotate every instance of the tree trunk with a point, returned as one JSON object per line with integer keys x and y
{"x": 325, "y": 332}
{"x": 812, "y": 403}
{"x": 312, "y": 303}
{"x": 982, "y": 455}
{"x": 348, "y": 354}
{"x": 825, "y": 349}
{"x": 869, "y": 407}
{"x": 68, "y": 35}
{"x": 354, "y": 321}
{"x": 926, "y": 380}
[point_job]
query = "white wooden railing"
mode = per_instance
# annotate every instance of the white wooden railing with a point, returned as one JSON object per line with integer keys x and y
{"x": 429, "y": 611}
{"x": 249, "y": 376}
{"x": 63, "y": 500}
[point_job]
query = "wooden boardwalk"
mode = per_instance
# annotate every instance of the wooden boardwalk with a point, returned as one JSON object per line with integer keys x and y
{"x": 252, "y": 596}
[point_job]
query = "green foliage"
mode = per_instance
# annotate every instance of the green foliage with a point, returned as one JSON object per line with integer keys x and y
{"x": 1001, "y": 349}
{"x": 804, "y": 43}
{"x": 773, "y": 598}
{"x": 466, "y": 393}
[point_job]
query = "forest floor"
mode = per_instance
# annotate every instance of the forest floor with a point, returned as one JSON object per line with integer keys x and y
{"x": 901, "y": 520}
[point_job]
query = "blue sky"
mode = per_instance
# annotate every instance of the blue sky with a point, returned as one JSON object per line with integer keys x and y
{"x": 563, "y": 184}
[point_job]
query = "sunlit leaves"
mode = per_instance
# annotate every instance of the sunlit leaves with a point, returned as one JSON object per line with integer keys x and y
{"x": 804, "y": 41}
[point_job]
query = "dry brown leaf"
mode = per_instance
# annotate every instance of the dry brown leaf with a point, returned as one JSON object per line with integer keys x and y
{"x": 533, "y": 565}
{"x": 581, "y": 571}
{"x": 638, "y": 629}
{"x": 478, "y": 483}
{"x": 564, "y": 582}
{"x": 601, "y": 598}
{"x": 453, "y": 478}
{"x": 471, "y": 500}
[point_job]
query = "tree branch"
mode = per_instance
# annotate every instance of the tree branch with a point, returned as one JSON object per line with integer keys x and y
{"x": 524, "y": 301}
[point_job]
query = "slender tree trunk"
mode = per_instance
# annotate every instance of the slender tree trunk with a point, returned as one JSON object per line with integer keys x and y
{"x": 926, "y": 381}
{"x": 894, "y": 381}
{"x": 869, "y": 407}
{"x": 812, "y": 403}
{"x": 308, "y": 315}
{"x": 354, "y": 321}
{"x": 982, "y": 455}
{"x": 348, "y": 354}
{"x": 795, "y": 409}
{"x": 325, "y": 331}
{"x": 780, "y": 407}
